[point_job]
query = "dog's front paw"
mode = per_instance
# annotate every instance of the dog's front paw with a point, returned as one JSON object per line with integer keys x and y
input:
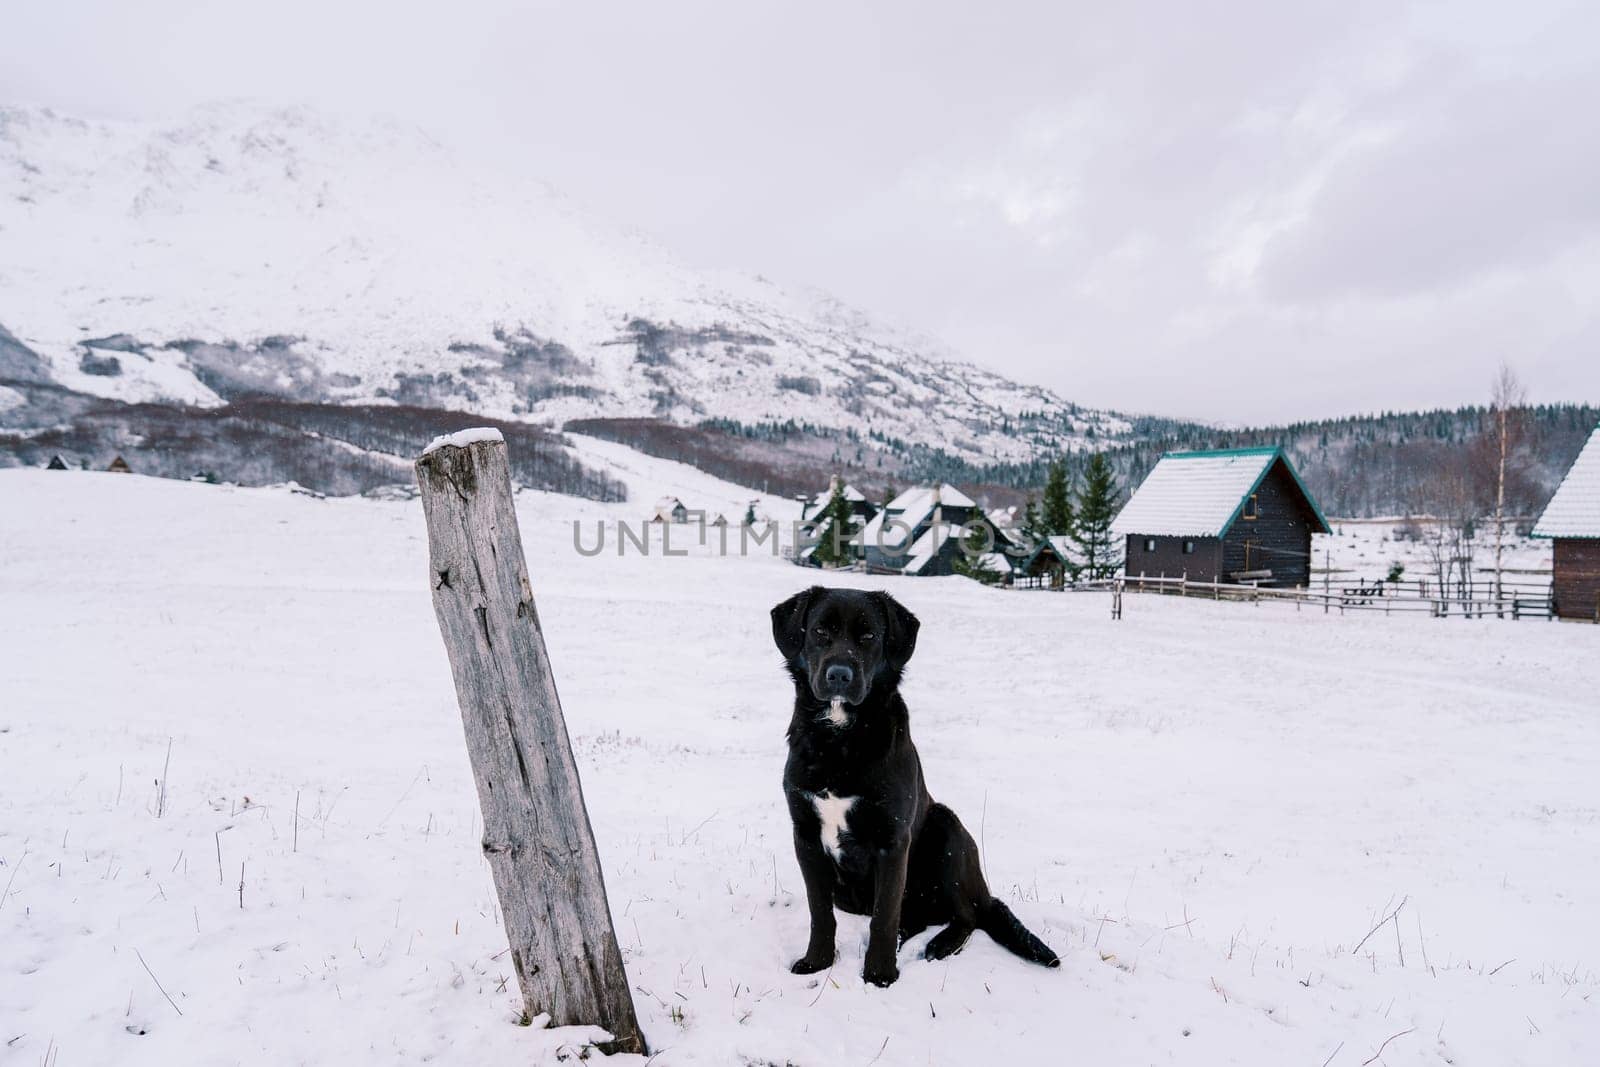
{"x": 811, "y": 963}
{"x": 881, "y": 976}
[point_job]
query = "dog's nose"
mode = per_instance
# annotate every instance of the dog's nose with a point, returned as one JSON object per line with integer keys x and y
{"x": 838, "y": 676}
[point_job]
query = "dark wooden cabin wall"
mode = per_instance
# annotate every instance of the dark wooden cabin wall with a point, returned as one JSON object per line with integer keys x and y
{"x": 1168, "y": 558}
{"x": 1281, "y": 530}
{"x": 1577, "y": 578}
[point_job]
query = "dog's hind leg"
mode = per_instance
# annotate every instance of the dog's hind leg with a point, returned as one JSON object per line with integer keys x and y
{"x": 949, "y": 941}
{"x": 949, "y": 882}
{"x": 910, "y": 926}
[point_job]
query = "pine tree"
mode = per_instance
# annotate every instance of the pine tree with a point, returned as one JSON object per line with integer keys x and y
{"x": 836, "y": 525}
{"x": 750, "y": 514}
{"x": 1033, "y": 523}
{"x": 970, "y": 562}
{"x": 1056, "y": 516}
{"x": 1096, "y": 508}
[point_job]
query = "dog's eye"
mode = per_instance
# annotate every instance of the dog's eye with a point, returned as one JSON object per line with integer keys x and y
{"x": 820, "y": 632}
{"x": 868, "y": 637}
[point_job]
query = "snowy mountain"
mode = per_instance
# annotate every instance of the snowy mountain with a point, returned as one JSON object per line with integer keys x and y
{"x": 248, "y": 252}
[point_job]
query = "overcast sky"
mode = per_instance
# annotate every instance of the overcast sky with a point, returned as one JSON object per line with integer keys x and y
{"x": 1243, "y": 212}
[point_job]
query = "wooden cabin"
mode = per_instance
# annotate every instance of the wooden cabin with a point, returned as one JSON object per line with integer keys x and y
{"x": 1236, "y": 515}
{"x": 1572, "y": 523}
{"x": 57, "y": 464}
{"x": 119, "y": 466}
{"x": 1049, "y": 562}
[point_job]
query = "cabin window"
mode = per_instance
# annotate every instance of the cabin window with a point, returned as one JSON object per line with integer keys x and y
{"x": 1149, "y": 544}
{"x": 1250, "y": 511}
{"x": 1188, "y": 548}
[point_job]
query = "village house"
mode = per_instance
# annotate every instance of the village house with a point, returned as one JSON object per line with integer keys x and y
{"x": 670, "y": 509}
{"x": 860, "y": 507}
{"x": 861, "y": 511}
{"x": 1048, "y": 562}
{"x": 1572, "y": 523}
{"x": 1237, "y": 515}
{"x": 919, "y": 532}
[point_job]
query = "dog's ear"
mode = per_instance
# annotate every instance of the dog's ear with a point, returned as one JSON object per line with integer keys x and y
{"x": 900, "y": 636}
{"x": 789, "y": 622}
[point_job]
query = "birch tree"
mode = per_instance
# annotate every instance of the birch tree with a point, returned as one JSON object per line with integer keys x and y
{"x": 1508, "y": 399}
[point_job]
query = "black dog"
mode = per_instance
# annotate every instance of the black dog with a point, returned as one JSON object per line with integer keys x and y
{"x": 869, "y": 838}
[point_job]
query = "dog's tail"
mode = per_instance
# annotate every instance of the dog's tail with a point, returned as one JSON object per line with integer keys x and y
{"x": 996, "y": 920}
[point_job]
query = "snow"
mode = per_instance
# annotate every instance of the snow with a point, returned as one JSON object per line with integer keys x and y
{"x": 155, "y": 374}
{"x": 1193, "y": 494}
{"x": 998, "y": 562}
{"x": 1574, "y": 511}
{"x": 926, "y": 547}
{"x": 1205, "y": 838}
{"x": 850, "y": 493}
{"x": 664, "y": 479}
{"x": 1365, "y": 549}
{"x": 463, "y": 438}
{"x": 1065, "y": 547}
{"x": 911, "y": 507}
{"x": 238, "y": 224}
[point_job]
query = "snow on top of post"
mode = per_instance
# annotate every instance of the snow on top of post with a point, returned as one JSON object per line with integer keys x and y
{"x": 463, "y": 438}
{"x": 1575, "y": 509}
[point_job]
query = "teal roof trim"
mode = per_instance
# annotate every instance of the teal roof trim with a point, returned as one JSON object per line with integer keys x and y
{"x": 1277, "y": 457}
{"x": 1260, "y": 451}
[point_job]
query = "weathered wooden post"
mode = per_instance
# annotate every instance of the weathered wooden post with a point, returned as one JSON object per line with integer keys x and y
{"x": 536, "y": 830}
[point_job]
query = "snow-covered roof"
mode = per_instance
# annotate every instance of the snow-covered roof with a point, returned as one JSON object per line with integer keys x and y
{"x": 1200, "y": 494}
{"x": 996, "y": 561}
{"x": 920, "y": 498}
{"x": 815, "y": 504}
{"x": 1061, "y": 545}
{"x": 668, "y": 503}
{"x": 925, "y": 549}
{"x": 928, "y": 546}
{"x": 851, "y": 493}
{"x": 911, "y": 508}
{"x": 1575, "y": 509}
{"x": 932, "y": 542}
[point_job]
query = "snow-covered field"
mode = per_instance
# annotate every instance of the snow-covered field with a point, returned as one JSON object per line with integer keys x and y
{"x": 1205, "y": 807}
{"x": 1366, "y": 548}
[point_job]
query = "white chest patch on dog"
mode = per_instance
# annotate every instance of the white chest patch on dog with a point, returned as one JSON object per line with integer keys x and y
{"x": 832, "y": 811}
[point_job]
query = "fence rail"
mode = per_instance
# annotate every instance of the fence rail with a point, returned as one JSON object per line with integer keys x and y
{"x": 1526, "y": 601}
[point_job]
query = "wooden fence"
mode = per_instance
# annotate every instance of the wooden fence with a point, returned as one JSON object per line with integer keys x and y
{"x": 1518, "y": 600}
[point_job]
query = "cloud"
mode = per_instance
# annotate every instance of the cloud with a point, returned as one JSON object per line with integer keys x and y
{"x": 1478, "y": 178}
{"x": 1157, "y": 206}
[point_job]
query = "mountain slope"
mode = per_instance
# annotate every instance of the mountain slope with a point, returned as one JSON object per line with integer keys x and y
{"x": 243, "y": 252}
